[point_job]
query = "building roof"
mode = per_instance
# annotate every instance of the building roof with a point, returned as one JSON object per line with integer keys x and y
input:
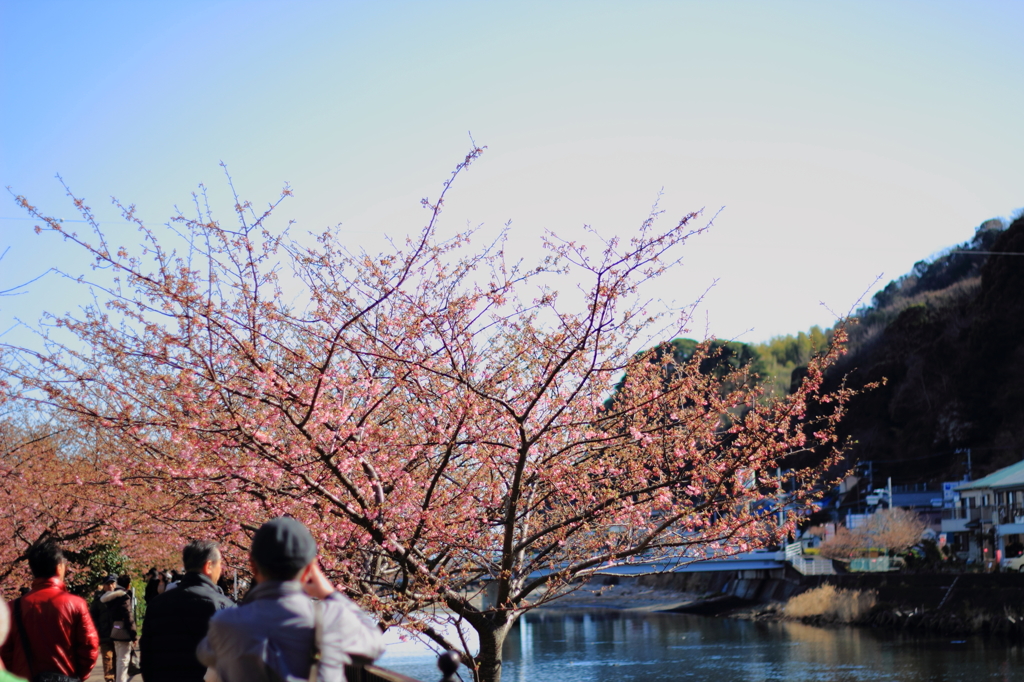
{"x": 1006, "y": 477}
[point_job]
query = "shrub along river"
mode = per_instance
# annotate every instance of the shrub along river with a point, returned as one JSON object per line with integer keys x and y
{"x": 591, "y": 645}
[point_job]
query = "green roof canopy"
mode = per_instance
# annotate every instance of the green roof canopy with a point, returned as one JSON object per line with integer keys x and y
{"x": 1007, "y": 477}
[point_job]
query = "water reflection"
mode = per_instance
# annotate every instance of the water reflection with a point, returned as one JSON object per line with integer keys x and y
{"x": 599, "y": 646}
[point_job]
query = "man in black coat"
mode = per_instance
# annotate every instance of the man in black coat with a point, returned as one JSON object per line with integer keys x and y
{"x": 176, "y": 621}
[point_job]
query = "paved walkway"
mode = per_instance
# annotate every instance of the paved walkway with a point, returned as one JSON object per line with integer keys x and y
{"x": 97, "y": 674}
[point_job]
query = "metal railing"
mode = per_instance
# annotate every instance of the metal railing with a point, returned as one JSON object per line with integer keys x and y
{"x": 880, "y": 564}
{"x": 807, "y": 565}
{"x": 968, "y": 514}
{"x": 814, "y": 566}
{"x": 1013, "y": 513}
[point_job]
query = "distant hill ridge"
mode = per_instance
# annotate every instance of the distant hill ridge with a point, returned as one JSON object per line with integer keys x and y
{"x": 949, "y": 338}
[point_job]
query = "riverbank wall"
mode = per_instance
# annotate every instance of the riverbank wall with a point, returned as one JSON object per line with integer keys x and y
{"x": 967, "y": 603}
{"x": 725, "y": 590}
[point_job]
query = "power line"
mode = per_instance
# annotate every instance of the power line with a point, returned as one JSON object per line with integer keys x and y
{"x": 946, "y": 453}
{"x": 990, "y": 253}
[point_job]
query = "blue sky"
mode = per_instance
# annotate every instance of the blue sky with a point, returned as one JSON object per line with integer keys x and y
{"x": 845, "y": 140}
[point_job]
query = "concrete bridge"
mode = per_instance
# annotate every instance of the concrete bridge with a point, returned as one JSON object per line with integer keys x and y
{"x": 758, "y": 560}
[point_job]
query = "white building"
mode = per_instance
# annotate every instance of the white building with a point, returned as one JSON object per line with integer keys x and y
{"x": 986, "y": 523}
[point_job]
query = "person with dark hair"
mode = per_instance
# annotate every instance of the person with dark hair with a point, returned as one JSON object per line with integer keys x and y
{"x": 278, "y": 631}
{"x": 53, "y": 630}
{"x": 120, "y": 604}
{"x": 152, "y": 585}
{"x": 101, "y": 619}
{"x": 163, "y": 581}
{"x": 177, "y": 619}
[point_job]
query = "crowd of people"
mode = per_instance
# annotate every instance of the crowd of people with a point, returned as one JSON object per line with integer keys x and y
{"x": 157, "y": 582}
{"x": 291, "y": 625}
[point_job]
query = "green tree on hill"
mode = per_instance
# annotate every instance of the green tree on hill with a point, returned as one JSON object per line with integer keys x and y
{"x": 781, "y": 355}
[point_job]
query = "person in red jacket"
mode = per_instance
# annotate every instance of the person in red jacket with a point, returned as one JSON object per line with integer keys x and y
{"x": 60, "y": 632}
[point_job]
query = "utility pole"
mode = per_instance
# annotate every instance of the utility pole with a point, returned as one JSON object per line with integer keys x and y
{"x": 782, "y": 497}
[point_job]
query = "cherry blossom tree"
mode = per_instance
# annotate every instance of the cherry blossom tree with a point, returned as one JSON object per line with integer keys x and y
{"x": 56, "y": 484}
{"x": 442, "y": 419}
{"x": 891, "y": 530}
{"x": 896, "y": 529}
{"x": 844, "y": 545}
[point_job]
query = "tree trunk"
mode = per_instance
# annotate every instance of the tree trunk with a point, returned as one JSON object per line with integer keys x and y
{"x": 488, "y": 661}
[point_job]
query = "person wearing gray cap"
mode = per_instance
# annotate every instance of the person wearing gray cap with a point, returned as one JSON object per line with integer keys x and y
{"x": 278, "y": 632}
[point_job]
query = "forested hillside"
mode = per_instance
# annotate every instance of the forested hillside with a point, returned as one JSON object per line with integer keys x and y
{"x": 948, "y": 337}
{"x": 946, "y": 344}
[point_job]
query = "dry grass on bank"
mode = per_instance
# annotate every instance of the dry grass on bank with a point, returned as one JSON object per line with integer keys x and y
{"x": 843, "y": 606}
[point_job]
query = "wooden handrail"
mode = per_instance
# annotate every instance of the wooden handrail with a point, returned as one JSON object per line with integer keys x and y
{"x": 447, "y": 663}
{"x": 374, "y": 673}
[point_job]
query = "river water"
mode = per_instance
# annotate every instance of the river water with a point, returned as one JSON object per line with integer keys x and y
{"x": 604, "y": 646}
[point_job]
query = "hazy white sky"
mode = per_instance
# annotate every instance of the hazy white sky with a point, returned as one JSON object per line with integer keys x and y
{"x": 843, "y": 139}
